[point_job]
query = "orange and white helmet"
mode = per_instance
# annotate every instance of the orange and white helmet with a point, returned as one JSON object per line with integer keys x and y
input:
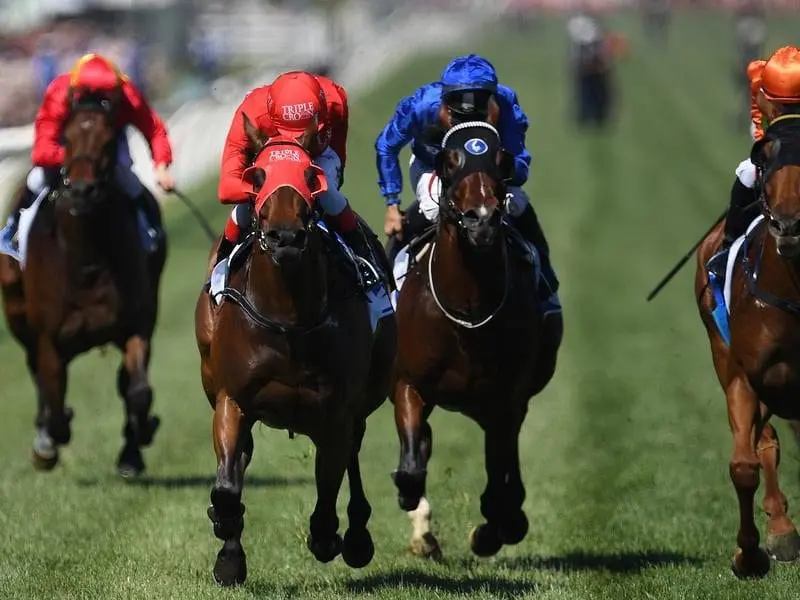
{"x": 780, "y": 77}
{"x": 95, "y": 74}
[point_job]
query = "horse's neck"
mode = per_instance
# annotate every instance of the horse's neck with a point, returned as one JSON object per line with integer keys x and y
{"x": 465, "y": 279}
{"x": 777, "y": 275}
{"x": 80, "y": 239}
{"x": 298, "y": 296}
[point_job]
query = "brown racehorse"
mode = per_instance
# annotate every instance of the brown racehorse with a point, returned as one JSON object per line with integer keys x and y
{"x": 87, "y": 282}
{"x": 291, "y": 346}
{"x": 471, "y": 339}
{"x": 760, "y": 369}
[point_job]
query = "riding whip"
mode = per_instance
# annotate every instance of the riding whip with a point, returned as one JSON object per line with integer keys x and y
{"x": 198, "y": 215}
{"x": 684, "y": 260}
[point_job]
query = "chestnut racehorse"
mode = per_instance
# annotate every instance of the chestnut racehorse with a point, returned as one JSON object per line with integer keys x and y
{"x": 760, "y": 369}
{"x": 87, "y": 282}
{"x": 291, "y": 345}
{"x": 471, "y": 338}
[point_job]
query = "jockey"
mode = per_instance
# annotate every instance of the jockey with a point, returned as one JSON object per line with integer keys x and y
{"x": 774, "y": 84}
{"x": 93, "y": 78}
{"x": 312, "y": 110}
{"x": 467, "y": 88}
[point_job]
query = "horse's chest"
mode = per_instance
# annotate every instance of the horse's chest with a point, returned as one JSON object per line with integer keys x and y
{"x": 480, "y": 361}
{"x": 91, "y": 309}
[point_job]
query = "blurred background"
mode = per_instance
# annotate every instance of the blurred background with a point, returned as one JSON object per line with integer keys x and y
{"x": 638, "y": 117}
{"x": 199, "y": 57}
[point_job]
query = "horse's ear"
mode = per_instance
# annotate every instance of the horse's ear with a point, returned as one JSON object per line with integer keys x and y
{"x": 764, "y": 151}
{"x": 254, "y": 178}
{"x": 255, "y": 137}
{"x": 494, "y": 112}
{"x": 506, "y": 165}
{"x": 316, "y": 180}
{"x": 448, "y": 162}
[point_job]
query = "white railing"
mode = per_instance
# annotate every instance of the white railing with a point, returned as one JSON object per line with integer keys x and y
{"x": 198, "y": 128}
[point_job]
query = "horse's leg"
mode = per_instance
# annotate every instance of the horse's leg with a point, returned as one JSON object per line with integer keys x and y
{"x": 51, "y": 383}
{"x": 744, "y": 416}
{"x": 501, "y": 501}
{"x": 334, "y": 448}
{"x": 45, "y": 453}
{"x": 783, "y": 542}
{"x": 357, "y": 549}
{"x": 409, "y": 478}
{"x": 133, "y": 386}
{"x": 233, "y": 445}
{"x": 423, "y": 543}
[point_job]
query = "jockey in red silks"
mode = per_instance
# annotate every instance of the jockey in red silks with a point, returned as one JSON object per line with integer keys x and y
{"x": 94, "y": 78}
{"x": 312, "y": 110}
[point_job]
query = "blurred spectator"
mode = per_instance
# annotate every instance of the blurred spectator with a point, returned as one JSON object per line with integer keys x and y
{"x": 45, "y": 65}
{"x": 751, "y": 31}
{"x": 205, "y": 50}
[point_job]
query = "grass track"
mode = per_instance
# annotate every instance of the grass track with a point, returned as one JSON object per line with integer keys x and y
{"x": 624, "y": 456}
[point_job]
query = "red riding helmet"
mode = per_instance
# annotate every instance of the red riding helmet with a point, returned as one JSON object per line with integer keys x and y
{"x": 296, "y": 105}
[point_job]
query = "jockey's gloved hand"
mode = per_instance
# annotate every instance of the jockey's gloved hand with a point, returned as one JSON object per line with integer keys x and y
{"x": 393, "y": 221}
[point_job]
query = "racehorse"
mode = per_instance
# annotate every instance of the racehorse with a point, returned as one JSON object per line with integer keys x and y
{"x": 472, "y": 338}
{"x": 755, "y": 352}
{"x": 291, "y": 345}
{"x": 87, "y": 281}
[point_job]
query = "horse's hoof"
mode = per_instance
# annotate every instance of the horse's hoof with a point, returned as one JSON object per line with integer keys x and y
{"x": 231, "y": 567}
{"x": 44, "y": 462}
{"x": 357, "y": 548}
{"x": 410, "y": 488}
{"x": 784, "y": 548}
{"x": 484, "y": 540}
{"x": 514, "y": 529}
{"x": 327, "y": 550}
{"x": 750, "y": 565}
{"x": 426, "y": 546}
{"x": 130, "y": 463}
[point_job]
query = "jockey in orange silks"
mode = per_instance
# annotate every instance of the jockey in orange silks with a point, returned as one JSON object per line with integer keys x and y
{"x": 774, "y": 85}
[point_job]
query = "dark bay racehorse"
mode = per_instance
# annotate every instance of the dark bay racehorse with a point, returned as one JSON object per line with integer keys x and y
{"x": 471, "y": 339}
{"x": 291, "y": 345}
{"x": 760, "y": 369}
{"x": 87, "y": 282}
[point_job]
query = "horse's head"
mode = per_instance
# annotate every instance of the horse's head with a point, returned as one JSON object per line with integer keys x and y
{"x": 284, "y": 184}
{"x": 474, "y": 170}
{"x": 90, "y": 148}
{"x": 777, "y": 159}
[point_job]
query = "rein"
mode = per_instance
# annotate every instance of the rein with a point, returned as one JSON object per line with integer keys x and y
{"x": 751, "y": 271}
{"x": 764, "y": 172}
{"x": 464, "y": 323}
{"x": 251, "y": 312}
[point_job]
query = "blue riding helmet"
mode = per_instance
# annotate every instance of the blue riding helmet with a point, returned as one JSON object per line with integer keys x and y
{"x": 469, "y": 73}
{"x": 465, "y": 87}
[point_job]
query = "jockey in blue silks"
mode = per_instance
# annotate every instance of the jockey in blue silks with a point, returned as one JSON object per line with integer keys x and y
{"x": 467, "y": 87}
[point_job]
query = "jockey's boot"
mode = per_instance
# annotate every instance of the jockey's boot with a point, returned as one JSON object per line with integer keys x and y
{"x": 9, "y": 244}
{"x": 741, "y": 212}
{"x": 224, "y": 250}
{"x": 528, "y": 225}
{"x": 357, "y": 240}
{"x": 149, "y": 219}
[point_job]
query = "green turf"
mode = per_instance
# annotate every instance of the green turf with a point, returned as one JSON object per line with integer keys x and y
{"x": 624, "y": 455}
